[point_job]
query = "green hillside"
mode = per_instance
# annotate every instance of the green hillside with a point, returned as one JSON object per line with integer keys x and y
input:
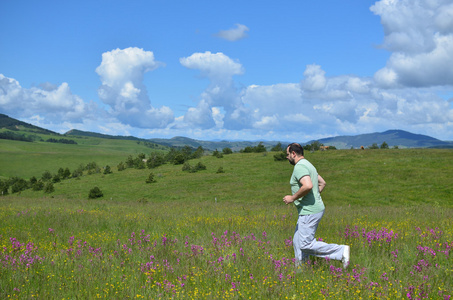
{"x": 24, "y": 159}
{"x": 360, "y": 177}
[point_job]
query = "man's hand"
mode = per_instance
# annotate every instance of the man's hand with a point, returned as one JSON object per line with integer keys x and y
{"x": 288, "y": 199}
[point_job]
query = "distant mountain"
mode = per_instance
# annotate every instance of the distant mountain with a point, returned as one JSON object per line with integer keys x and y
{"x": 400, "y": 138}
{"x": 180, "y": 141}
{"x": 16, "y": 125}
{"x": 100, "y": 135}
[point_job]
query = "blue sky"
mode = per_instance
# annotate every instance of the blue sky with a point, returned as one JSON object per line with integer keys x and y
{"x": 234, "y": 70}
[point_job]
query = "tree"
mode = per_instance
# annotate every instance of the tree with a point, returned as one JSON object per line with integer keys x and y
{"x": 198, "y": 153}
{"x": 4, "y": 186}
{"x": 374, "y": 146}
{"x": 61, "y": 173}
{"x": 121, "y": 166}
{"x": 384, "y": 145}
{"x": 280, "y": 156}
{"x": 19, "y": 185}
{"x": 259, "y": 148}
{"x": 107, "y": 170}
{"x": 155, "y": 160}
{"x": 150, "y": 178}
{"x": 38, "y": 186}
{"x": 56, "y": 178}
{"x": 178, "y": 159}
{"x": 46, "y": 176}
{"x": 227, "y": 150}
{"x": 95, "y": 193}
{"x": 217, "y": 154}
{"x": 186, "y": 167}
{"x": 66, "y": 173}
{"x": 200, "y": 166}
{"x": 277, "y": 147}
{"x": 48, "y": 188}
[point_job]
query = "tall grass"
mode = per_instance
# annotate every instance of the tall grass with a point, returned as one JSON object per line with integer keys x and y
{"x": 60, "y": 249}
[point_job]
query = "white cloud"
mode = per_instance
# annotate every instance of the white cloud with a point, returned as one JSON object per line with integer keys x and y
{"x": 221, "y": 92}
{"x": 215, "y": 66}
{"x": 57, "y": 103}
{"x": 420, "y": 36}
{"x": 234, "y": 34}
{"x": 121, "y": 72}
{"x": 200, "y": 116}
{"x": 314, "y": 78}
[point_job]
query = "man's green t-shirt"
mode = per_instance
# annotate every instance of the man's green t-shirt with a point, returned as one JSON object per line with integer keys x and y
{"x": 312, "y": 202}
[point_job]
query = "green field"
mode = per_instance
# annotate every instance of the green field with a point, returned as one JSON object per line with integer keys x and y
{"x": 25, "y": 159}
{"x": 227, "y": 235}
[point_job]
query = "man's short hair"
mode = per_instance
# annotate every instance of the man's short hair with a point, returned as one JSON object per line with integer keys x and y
{"x": 296, "y": 148}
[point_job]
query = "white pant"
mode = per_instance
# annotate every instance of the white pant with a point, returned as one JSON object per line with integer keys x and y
{"x": 305, "y": 244}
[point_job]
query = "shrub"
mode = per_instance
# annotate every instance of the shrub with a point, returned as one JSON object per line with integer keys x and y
{"x": 227, "y": 150}
{"x": 150, "y": 178}
{"x": 280, "y": 156}
{"x": 155, "y": 160}
{"x": 186, "y": 167}
{"x": 121, "y": 166}
{"x": 48, "y": 188}
{"x": 46, "y": 176}
{"x": 178, "y": 159}
{"x": 38, "y": 185}
{"x": 217, "y": 154}
{"x": 220, "y": 170}
{"x": 384, "y": 145}
{"x": 18, "y": 184}
{"x": 199, "y": 166}
{"x": 77, "y": 173}
{"x": 95, "y": 193}
{"x": 107, "y": 170}
{"x": 4, "y": 186}
{"x": 277, "y": 147}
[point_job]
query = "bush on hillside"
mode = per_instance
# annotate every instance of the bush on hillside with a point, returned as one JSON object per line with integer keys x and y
{"x": 107, "y": 170}
{"x": 18, "y": 184}
{"x": 4, "y": 186}
{"x": 227, "y": 150}
{"x": 121, "y": 166}
{"x": 277, "y": 147}
{"x": 48, "y": 188}
{"x": 150, "y": 178}
{"x": 95, "y": 193}
{"x": 257, "y": 149}
{"x": 155, "y": 160}
{"x": 280, "y": 156}
{"x": 46, "y": 176}
{"x": 217, "y": 154}
{"x": 38, "y": 185}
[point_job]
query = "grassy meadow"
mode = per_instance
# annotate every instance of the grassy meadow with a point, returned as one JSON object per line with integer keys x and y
{"x": 210, "y": 235}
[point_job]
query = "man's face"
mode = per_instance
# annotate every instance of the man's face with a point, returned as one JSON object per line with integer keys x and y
{"x": 290, "y": 157}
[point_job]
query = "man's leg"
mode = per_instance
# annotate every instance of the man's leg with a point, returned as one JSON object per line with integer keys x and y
{"x": 299, "y": 255}
{"x": 306, "y": 242}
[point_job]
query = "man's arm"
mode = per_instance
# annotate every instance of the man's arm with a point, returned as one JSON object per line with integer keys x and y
{"x": 305, "y": 188}
{"x": 321, "y": 183}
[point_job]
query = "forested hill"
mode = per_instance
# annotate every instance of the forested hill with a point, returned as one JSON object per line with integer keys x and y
{"x": 13, "y": 124}
{"x": 393, "y": 138}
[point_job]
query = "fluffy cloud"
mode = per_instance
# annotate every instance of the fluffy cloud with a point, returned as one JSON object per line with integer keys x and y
{"x": 121, "y": 73}
{"x": 221, "y": 92}
{"x": 420, "y": 37}
{"x": 234, "y": 34}
{"x": 57, "y": 103}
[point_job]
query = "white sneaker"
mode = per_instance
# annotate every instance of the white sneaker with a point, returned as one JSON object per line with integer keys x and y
{"x": 346, "y": 255}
